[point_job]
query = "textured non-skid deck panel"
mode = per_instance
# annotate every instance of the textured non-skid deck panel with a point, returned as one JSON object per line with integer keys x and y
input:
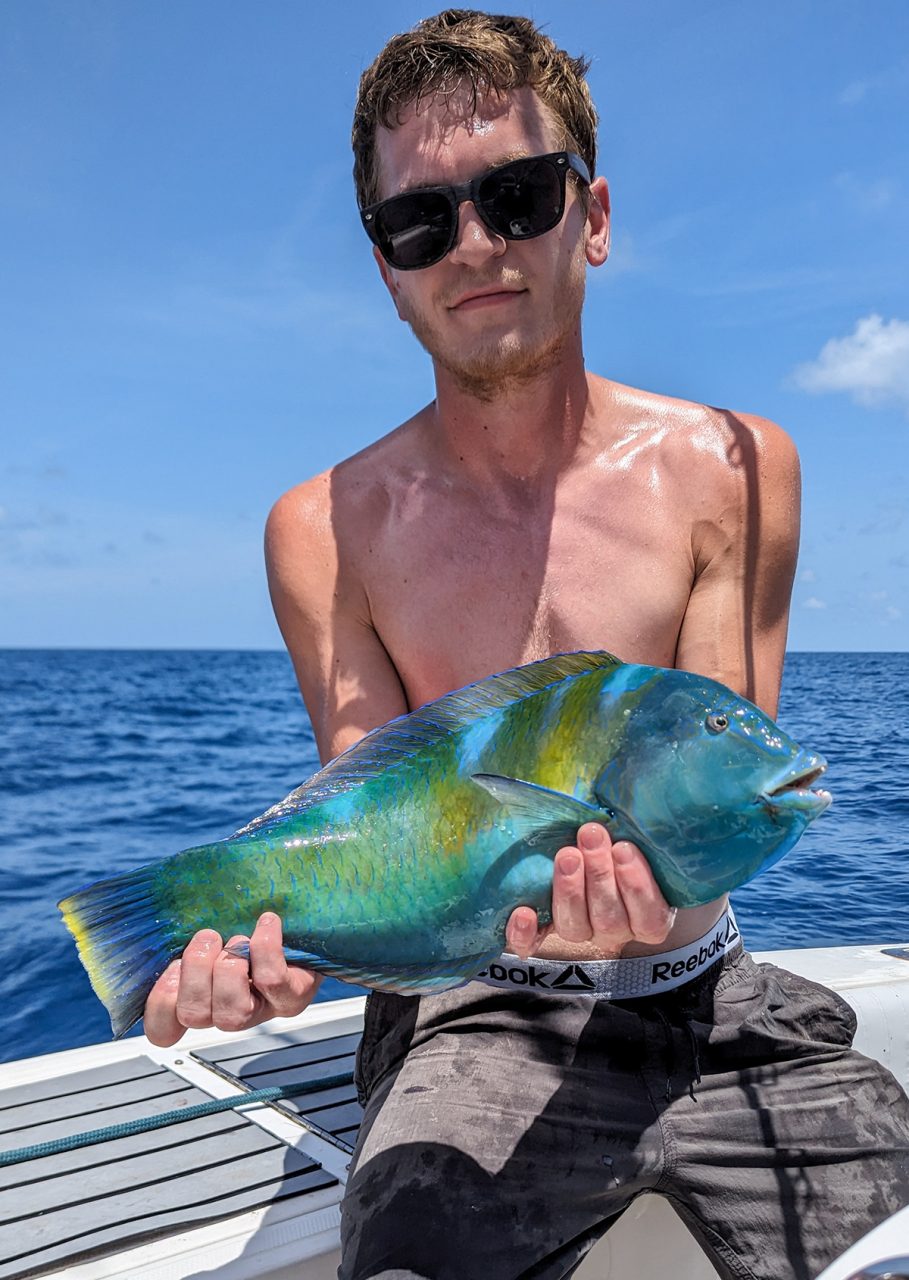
{"x": 265, "y": 1060}
{"x": 116, "y": 1194}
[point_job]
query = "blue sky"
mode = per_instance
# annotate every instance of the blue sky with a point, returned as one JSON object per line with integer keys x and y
{"x": 192, "y": 321}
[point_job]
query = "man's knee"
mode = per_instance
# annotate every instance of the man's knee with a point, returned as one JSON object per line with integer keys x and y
{"x": 418, "y": 1210}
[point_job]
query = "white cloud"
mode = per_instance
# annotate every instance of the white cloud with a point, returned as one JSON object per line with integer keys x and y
{"x": 871, "y": 364}
{"x": 813, "y": 603}
{"x": 807, "y": 575}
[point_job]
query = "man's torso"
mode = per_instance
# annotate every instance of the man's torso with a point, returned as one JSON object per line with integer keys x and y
{"x": 461, "y": 578}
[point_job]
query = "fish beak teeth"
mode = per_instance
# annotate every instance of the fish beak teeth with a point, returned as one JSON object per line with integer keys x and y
{"x": 800, "y": 781}
{"x": 795, "y": 789}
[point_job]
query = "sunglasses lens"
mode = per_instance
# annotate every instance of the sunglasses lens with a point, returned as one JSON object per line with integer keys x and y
{"x": 414, "y": 230}
{"x": 518, "y": 201}
{"x": 523, "y": 199}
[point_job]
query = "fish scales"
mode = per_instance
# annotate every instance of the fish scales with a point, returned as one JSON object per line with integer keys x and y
{"x": 399, "y": 863}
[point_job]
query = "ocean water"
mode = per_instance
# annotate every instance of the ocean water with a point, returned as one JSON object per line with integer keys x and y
{"x": 112, "y": 759}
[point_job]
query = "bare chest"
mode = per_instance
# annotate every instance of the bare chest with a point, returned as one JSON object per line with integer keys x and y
{"x": 458, "y": 591}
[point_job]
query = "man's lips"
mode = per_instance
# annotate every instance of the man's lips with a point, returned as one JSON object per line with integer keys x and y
{"x": 484, "y": 298}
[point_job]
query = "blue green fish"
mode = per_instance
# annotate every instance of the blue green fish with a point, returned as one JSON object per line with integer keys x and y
{"x": 398, "y": 864}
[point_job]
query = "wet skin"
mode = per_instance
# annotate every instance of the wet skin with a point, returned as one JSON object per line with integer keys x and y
{"x": 532, "y": 508}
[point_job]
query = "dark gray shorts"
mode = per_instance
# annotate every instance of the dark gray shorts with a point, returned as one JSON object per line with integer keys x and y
{"x": 504, "y": 1132}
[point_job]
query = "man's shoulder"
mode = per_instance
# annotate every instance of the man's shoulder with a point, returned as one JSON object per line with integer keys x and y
{"x": 750, "y": 452}
{"x": 714, "y": 442}
{"x": 348, "y": 498}
{"x": 744, "y": 446}
{"x": 737, "y": 474}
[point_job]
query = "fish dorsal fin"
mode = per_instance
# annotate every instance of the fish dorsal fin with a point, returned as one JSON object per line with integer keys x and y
{"x": 408, "y": 735}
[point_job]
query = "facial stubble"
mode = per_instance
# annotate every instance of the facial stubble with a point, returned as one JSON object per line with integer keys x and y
{"x": 496, "y": 363}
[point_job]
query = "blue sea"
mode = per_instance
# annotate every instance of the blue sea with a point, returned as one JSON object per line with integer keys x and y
{"x": 109, "y": 759}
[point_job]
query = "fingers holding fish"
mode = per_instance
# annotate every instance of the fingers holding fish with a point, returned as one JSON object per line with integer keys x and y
{"x": 252, "y": 982}
{"x": 609, "y": 925}
{"x": 285, "y": 989}
{"x": 570, "y": 917}
{"x": 234, "y": 1003}
{"x": 649, "y": 915}
{"x": 523, "y": 934}
{"x": 605, "y": 893}
{"x": 194, "y": 994}
{"x": 161, "y": 1024}
{"x": 181, "y": 997}
{"x": 213, "y": 986}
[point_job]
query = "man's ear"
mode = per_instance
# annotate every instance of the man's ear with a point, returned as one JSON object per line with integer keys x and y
{"x": 599, "y": 226}
{"x": 388, "y": 278}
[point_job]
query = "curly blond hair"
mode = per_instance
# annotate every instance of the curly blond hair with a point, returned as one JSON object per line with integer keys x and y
{"x": 482, "y": 53}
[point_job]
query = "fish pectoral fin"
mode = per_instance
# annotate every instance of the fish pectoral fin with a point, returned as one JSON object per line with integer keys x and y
{"x": 543, "y": 817}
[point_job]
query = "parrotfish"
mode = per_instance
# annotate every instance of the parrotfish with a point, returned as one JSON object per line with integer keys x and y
{"x": 398, "y": 864}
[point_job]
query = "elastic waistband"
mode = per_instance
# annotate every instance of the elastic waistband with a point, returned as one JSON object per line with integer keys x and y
{"x": 624, "y": 979}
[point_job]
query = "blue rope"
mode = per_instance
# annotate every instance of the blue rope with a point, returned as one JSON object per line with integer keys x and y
{"x": 130, "y": 1127}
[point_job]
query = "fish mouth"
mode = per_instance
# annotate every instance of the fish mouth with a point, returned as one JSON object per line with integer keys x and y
{"x": 794, "y": 789}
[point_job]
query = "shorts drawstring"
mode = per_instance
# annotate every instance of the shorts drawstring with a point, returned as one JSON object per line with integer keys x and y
{"x": 669, "y": 1043}
{"x": 670, "y": 1055}
{"x": 693, "y": 1040}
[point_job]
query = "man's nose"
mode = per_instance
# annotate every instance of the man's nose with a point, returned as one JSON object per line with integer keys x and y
{"x": 475, "y": 242}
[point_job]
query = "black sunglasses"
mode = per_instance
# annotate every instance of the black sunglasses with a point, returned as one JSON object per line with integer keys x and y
{"x": 518, "y": 201}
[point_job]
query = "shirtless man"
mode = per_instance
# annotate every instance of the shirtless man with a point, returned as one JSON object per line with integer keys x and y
{"x": 534, "y": 508}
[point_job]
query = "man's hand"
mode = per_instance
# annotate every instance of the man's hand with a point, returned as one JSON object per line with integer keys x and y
{"x": 210, "y": 987}
{"x": 602, "y": 893}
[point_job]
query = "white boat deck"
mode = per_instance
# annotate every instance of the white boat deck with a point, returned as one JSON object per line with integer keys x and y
{"x": 213, "y": 1188}
{"x": 256, "y": 1192}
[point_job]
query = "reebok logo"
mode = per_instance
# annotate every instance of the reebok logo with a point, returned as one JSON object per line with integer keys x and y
{"x": 519, "y": 977}
{"x": 582, "y": 981}
{"x": 725, "y": 935}
{"x": 622, "y": 979}
{"x": 572, "y": 977}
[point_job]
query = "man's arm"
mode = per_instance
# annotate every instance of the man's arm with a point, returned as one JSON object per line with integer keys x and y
{"x": 347, "y": 679}
{"x": 350, "y": 686}
{"x": 744, "y": 550}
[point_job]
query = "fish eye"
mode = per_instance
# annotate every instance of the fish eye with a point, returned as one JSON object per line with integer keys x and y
{"x": 717, "y": 723}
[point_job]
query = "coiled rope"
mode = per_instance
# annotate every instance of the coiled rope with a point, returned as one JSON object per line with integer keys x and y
{"x": 126, "y": 1130}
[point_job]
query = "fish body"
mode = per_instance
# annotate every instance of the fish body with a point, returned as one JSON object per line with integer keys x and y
{"x": 398, "y": 864}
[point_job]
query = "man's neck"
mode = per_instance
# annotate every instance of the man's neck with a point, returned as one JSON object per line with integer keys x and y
{"x": 522, "y": 435}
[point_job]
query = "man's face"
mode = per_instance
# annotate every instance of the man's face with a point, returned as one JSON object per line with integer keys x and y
{"x": 492, "y": 311}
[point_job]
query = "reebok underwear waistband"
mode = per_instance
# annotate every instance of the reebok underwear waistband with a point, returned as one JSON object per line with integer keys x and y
{"x": 623, "y": 979}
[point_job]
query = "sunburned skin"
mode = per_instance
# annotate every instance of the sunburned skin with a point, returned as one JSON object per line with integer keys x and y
{"x": 531, "y": 508}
